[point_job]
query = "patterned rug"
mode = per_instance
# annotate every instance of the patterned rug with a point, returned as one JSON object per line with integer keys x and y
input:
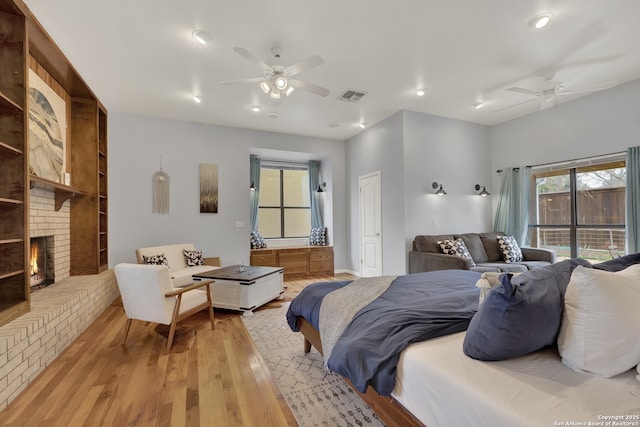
{"x": 316, "y": 397}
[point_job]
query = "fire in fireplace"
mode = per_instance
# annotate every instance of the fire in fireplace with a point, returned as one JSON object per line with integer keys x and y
{"x": 41, "y": 262}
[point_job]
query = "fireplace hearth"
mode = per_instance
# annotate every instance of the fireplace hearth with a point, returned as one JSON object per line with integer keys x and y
{"x": 41, "y": 262}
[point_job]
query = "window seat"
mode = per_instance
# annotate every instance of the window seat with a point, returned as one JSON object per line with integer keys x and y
{"x": 297, "y": 261}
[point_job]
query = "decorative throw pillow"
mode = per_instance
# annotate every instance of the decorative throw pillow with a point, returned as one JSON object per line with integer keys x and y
{"x": 522, "y": 315}
{"x": 510, "y": 250}
{"x": 155, "y": 259}
{"x": 457, "y": 248}
{"x": 318, "y": 236}
{"x": 193, "y": 258}
{"x": 601, "y": 321}
{"x": 257, "y": 242}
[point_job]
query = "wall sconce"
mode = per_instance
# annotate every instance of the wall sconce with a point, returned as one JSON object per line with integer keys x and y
{"x": 321, "y": 187}
{"x": 252, "y": 187}
{"x": 440, "y": 191}
{"x": 484, "y": 192}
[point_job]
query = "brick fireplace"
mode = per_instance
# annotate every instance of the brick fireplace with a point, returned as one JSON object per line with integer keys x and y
{"x": 44, "y": 220}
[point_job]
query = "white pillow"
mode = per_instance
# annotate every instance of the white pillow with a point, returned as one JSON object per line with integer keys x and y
{"x": 600, "y": 329}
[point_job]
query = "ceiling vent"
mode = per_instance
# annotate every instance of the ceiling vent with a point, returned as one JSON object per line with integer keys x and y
{"x": 351, "y": 95}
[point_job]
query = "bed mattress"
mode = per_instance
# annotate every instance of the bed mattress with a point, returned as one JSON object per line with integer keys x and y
{"x": 444, "y": 388}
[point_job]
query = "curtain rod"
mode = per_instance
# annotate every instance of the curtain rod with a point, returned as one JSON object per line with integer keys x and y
{"x": 564, "y": 162}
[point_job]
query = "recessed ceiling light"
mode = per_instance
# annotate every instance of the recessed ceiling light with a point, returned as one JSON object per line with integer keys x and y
{"x": 255, "y": 108}
{"x": 202, "y": 37}
{"x": 334, "y": 125}
{"x": 362, "y": 124}
{"x": 478, "y": 105}
{"x": 540, "y": 21}
{"x": 273, "y": 115}
{"x": 420, "y": 92}
{"x": 197, "y": 99}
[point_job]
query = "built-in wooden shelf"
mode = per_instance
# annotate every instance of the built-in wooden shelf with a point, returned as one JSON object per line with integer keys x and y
{"x": 11, "y": 274}
{"x": 7, "y": 103}
{"x": 63, "y": 192}
{"x": 6, "y": 149}
{"x": 11, "y": 201}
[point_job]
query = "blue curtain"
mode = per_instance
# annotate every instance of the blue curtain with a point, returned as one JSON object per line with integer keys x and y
{"x": 254, "y": 176}
{"x": 314, "y": 182}
{"x": 633, "y": 200}
{"x": 512, "y": 213}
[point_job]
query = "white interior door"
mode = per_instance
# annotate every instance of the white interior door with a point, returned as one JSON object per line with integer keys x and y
{"x": 370, "y": 225}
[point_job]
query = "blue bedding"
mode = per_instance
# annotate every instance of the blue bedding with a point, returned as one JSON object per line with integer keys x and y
{"x": 415, "y": 307}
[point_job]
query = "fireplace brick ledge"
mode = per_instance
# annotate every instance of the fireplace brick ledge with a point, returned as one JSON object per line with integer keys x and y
{"x": 59, "y": 314}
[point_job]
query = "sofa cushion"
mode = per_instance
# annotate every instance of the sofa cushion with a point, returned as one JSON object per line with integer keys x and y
{"x": 430, "y": 243}
{"x": 510, "y": 250}
{"x": 504, "y": 267}
{"x": 457, "y": 248}
{"x": 474, "y": 246}
{"x": 491, "y": 248}
{"x": 532, "y": 265}
{"x": 183, "y": 276}
{"x": 174, "y": 254}
{"x": 521, "y": 315}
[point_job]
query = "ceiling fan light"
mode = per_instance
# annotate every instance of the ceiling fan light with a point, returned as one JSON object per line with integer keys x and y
{"x": 275, "y": 94}
{"x": 201, "y": 36}
{"x": 540, "y": 21}
{"x": 197, "y": 99}
{"x": 281, "y": 82}
{"x": 265, "y": 87}
{"x": 289, "y": 90}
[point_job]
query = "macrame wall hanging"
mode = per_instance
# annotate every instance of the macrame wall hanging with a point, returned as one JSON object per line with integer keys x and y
{"x": 161, "y": 182}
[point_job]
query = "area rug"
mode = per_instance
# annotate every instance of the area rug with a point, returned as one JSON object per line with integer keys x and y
{"x": 315, "y": 396}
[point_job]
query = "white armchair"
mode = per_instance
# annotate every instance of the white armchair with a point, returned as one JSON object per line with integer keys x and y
{"x": 148, "y": 294}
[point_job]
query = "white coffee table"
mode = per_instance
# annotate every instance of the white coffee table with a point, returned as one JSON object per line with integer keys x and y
{"x": 244, "y": 288}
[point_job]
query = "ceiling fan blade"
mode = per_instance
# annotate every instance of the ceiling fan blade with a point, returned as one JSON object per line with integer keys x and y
{"x": 240, "y": 81}
{"x": 514, "y": 105}
{"x": 523, "y": 90}
{"x": 310, "y": 62}
{"x": 318, "y": 90}
{"x": 252, "y": 58}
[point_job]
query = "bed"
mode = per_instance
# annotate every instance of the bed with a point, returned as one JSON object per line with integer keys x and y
{"x": 435, "y": 384}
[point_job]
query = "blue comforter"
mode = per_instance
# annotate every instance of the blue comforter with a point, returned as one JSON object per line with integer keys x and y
{"x": 415, "y": 307}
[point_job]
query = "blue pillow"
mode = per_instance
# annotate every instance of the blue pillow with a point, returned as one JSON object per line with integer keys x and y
{"x": 521, "y": 315}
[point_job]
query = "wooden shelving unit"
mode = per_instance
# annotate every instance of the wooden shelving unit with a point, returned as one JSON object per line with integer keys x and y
{"x": 23, "y": 44}
{"x": 14, "y": 193}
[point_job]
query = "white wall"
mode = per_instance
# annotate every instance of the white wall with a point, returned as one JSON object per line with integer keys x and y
{"x": 412, "y": 150}
{"x": 603, "y": 123}
{"x": 135, "y": 146}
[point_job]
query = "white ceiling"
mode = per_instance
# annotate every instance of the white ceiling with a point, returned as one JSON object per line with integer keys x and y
{"x": 139, "y": 56}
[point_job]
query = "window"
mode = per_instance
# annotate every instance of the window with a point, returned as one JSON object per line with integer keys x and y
{"x": 579, "y": 212}
{"x": 284, "y": 209}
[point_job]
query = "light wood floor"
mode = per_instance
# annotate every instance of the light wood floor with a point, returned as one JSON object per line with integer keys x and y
{"x": 221, "y": 380}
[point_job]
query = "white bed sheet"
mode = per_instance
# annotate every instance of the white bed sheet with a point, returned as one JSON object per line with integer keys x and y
{"x": 444, "y": 388}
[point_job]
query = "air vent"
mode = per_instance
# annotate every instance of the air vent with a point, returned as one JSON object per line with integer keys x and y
{"x": 351, "y": 95}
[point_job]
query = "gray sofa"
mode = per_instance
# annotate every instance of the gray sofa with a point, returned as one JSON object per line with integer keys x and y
{"x": 484, "y": 249}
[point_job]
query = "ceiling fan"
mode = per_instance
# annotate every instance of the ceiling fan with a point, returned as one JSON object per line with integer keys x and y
{"x": 279, "y": 80}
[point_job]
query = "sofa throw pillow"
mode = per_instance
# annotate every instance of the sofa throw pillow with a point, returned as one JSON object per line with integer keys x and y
{"x": 257, "y": 242}
{"x": 318, "y": 236}
{"x": 456, "y": 247}
{"x": 510, "y": 250}
{"x": 601, "y": 321}
{"x": 192, "y": 258}
{"x": 521, "y": 315}
{"x": 159, "y": 259}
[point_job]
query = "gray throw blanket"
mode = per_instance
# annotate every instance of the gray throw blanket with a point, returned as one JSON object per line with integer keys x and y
{"x": 339, "y": 306}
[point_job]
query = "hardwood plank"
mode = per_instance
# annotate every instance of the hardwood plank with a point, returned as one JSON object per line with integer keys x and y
{"x": 220, "y": 380}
